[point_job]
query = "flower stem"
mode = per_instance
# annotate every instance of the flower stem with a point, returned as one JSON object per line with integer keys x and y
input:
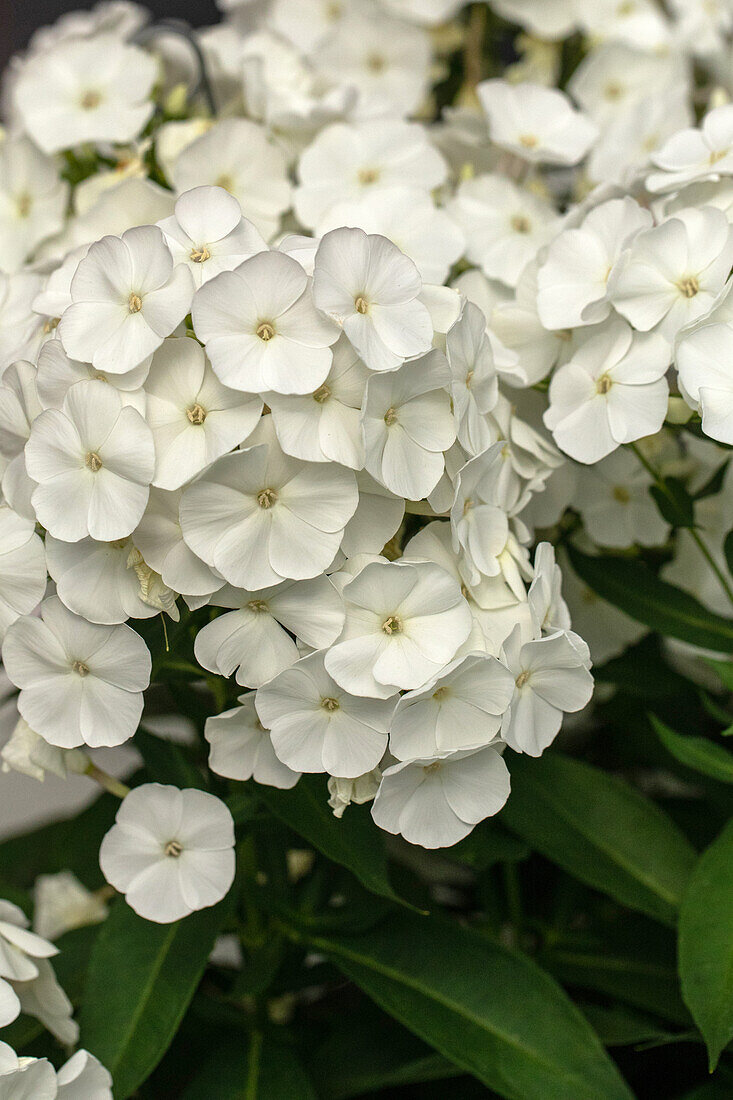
{"x": 473, "y": 50}
{"x": 696, "y": 536}
{"x": 114, "y": 786}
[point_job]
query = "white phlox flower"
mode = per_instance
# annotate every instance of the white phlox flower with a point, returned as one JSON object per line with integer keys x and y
{"x": 550, "y": 678}
{"x": 615, "y": 505}
{"x": 19, "y": 407}
{"x": 538, "y": 124}
{"x": 21, "y": 330}
{"x": 693, "y": 154}
{"x": 462, "y": 709}
{"x": 504, "y": 225}
{"x": 258, "y": 516}
{"x": 671, "y": 274}
{"x": 254, "y": 639}
{"x": 516, "y": 324}
{"x": 85, "y": 90}
{"x": 612, "y": 391}
{"x": 80, "y": 683}
{"x": 437, "y": 802}
{"x": 209, "y": 234}
{"x": 549, "y": 610}
{"x": 26, "y": 752}
{"x": 371, "y": 289}
{"x": 193, "y": 417}
{"x": 93, "y": 460}
{"x": 170, "y": 851}
{"x": 408, "y": 424}
{"x": 343, "y": 792}
{"x": 315, "y": 725}
{"x": 127, "y": 296}
{"x": 702, "y": 356}
{"x": 57, "y": 373}
{"x": 94, "y": 580}
{"x": 61, "y": 903}
{"x": 346, "y": 161}
{"x": 241, "y": 748}
{"x": 404, "y": 623}
{"x": 261, "y": 328}
{"x": 83, "y": 1077}
{"x": 573, "y": 280}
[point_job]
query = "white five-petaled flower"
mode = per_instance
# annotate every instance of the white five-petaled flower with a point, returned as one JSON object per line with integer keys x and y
{"x": 170, "y": 851}
{"x": 474, "y": 385}
{"x": 551, "y": 678}
{"x": 261, "y": 329}
{"x": 612, "y": 391}
{"x": 253, "y": 638}
{"x": 370, "y": 288}
{"x": 209, "y": 234}
{"x": 85, "y": 90}
{"x": 22, "y": 567}
{"x": 127, "y": 296}
{"x": 258, "y": 516}
{"x": 93, "y": 460}
{"x": 80, "y": 683}
{"x": 316, "y": 726}
{"x": 193, "y": 417}
{"x": 537, "y": 124}
{"x": 404, "y": 623}
{"x": 435, "y": 802}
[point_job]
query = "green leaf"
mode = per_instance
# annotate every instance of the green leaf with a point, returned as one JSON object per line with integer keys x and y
{"x": 714, "y": 484}
{"x": 167, "y": 762}
{"x": 724, "y": 670}
{"x": 698, "y": 753}
{"x": 353, "y": 841}
{"x": 601, "y": 830}
{"x": 488, "y": 844}
{"x": 675, "y": 504}
{"x": 141, "y": 979}
{"x": 706, "y": 944}
{"x": 618, "y": 1027}
{"x": 261, "y": 1069}
{"x": 632, "y": 587}
{"x": 486, "y": 1008}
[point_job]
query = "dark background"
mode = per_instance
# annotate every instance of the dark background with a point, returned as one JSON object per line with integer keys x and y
{"x": 19, "y": 18}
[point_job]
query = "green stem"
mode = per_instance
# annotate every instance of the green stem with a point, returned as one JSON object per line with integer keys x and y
{"x": 699, "y": 542}
{"x": 114, "y": 786}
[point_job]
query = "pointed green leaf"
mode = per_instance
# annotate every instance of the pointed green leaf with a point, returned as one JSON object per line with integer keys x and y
{"x": 141, "y": 979}
{"x": 632, "y": 587}
{"x": 706, "y": 944}
{"x": 257, "y": 1067}
{"x": 601, "y": 830}
{"x": 698, "y": 753}
{"x": 486, "y": 1008}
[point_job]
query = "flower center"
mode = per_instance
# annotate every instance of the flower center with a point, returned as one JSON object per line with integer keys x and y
{"x": 23, "y": 204}
{"x": 613, "y": 90}
{"x": 376, "y": 63}
{"x": 265, "y": 331}
{"x": 266, "y": 498}
{"x": 390, "y": 417}
{"x": 529, "y": 141}
{"x": 134, "y": 303}
{"x": 429, "y": 769}
{"x": 361, "y": 305}
{"x": 621, "y": 494}
{"x": 330, "y": 704}
{"x": 322, "y": 395}
{"x": 718, "y": 154}
{"x": 196, "y": 414}
{"x": 50, "y": 324}
{"x": 392, "y": 625}
{"x": 522, "y": 679}
{"x": 258, "y": 607}
{"x": 689, "y": 286}
{"x": 520, "y": 223}
{"x": 200, "y": 254}
{"x": 603, "y": 384}
{"x": 469, "y": 379}
{"x": 173, "y": 849}
{"x": 368, "y": 176}
{"x": 93, "y": 462}
{"x": 441, "y": 693}
{"x": 80, "y": 669}
{"x": 626, "y": 7}
{"x": 226, "y": 182}
{"x": 90, "y": 100}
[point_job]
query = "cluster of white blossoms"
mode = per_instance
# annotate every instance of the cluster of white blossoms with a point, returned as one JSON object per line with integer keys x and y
{"x": 310, "y": 374}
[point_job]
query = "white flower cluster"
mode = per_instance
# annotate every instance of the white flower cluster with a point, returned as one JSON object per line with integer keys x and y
{"x": 303, "y": 373}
